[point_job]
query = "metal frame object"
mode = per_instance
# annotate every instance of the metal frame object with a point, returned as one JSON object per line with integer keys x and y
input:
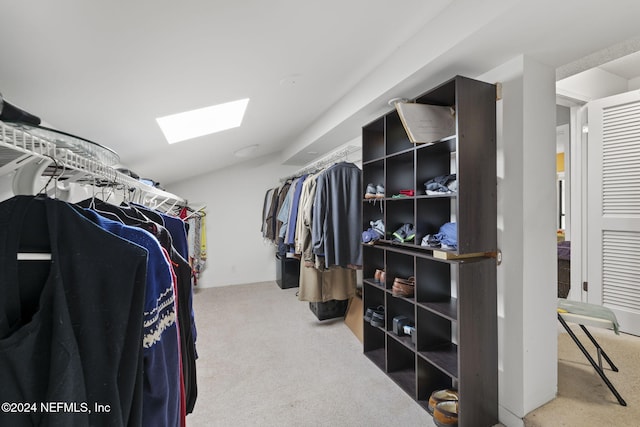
{"x": 601, "y": 354}
{"x": 31, "y": 157}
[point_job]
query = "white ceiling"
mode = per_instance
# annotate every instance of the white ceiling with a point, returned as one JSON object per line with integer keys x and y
{"x": 627, "y": 67}
{"x": 315, "y": 71}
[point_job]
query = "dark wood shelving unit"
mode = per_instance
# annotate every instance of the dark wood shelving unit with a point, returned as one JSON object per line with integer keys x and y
{"x": 454, "y": 309}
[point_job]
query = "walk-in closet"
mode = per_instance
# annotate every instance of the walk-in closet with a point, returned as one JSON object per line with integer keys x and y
{"x": 359, "y": 213}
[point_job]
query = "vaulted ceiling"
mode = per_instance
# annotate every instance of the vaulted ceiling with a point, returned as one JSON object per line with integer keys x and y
{"x": 314, "y": 72}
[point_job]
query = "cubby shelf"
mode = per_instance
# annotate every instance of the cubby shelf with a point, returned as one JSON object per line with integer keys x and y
{"x": 454, "y": 307}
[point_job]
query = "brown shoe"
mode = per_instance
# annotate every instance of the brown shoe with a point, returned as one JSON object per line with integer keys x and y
{"x": 403, "y": 287}
{"x": 446, "y": 395}
{"x": 377, "y": 276}
{"x": 446, "y": 414}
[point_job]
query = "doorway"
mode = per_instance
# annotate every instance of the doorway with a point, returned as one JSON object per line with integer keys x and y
{"x": 577, "y": 188}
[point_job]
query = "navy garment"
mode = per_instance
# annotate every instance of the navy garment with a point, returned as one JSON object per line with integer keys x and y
{"x": 70, "y": 328}
{"x": 161, "y": 347}
{"x": 178, "y": 232}
{"x": 293, "y": 213}
{"x": 176, "y": 226}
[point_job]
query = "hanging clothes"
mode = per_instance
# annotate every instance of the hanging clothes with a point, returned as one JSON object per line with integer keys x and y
{"x": 161, "y": 341}
{"x": 292, "y": 222}
{"x": 299, "y": 210}
{"x": 337, "y": 211}
{"x": 302, "y": 239}
{"x": 133, "y": 216}
{"x": 266, "y": 208}
{"x": 70, "y": 329}
{"x": 196, "y": 243}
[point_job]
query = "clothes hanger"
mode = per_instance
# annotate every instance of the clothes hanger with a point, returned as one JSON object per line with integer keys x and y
{"x": 43, "y": 256}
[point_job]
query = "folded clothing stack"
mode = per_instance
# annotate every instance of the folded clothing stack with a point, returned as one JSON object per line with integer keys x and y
{"x": 446, "y": 238}
{"x": 443, "y": 184}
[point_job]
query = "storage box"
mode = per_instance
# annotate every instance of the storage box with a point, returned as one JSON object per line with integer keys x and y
{"x": 287, "y": 272}
{"x": 426, "y": 123}
{"x": 354, "y": 317}
{"x": 564, "y": 268}
{"x": 564, "y": 278}
{"x": 329, "y": 309}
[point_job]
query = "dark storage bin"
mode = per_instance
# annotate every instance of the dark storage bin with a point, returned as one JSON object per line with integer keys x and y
{"x": 564, "y": 278}
{"x": 564, "y": 269}
{"x": 287, "y": 272}
{"x": 329, "y": 309}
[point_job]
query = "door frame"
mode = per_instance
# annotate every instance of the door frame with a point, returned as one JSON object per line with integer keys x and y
{"x": 576, "y": 177}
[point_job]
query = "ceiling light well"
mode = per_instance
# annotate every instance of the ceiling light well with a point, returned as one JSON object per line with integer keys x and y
{"x": 246, "y": 151}
{"x": 203, "y": 121}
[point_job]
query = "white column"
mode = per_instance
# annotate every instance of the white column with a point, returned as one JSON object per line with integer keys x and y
{"x": 527, "y": 277}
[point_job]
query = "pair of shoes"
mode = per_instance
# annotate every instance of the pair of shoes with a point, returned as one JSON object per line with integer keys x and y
{"x": 380, "y": 277}
{"x": 378, "y": 227}
{"x": 404, "y": 234}
{"x": 403, "y": 287}
{"x": 374, "y": 233}
{"x": 375, "y": 316}
{"x": 445, "y": 414}
{"x": 369, "y": 313}
{"x": 374, "y": 191}
{"x": 438, "y": 396}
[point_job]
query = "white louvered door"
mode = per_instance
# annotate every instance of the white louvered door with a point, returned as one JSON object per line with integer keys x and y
{"x": 614, "y": 207}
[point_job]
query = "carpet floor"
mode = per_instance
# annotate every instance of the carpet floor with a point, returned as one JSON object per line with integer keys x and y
{"x": 266, "y": 360}
{"x": 583, "y": 399}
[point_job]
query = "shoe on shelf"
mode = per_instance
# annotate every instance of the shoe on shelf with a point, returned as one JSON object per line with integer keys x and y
{"x": 403, "y": 287}
{"x": 370, "y": 193}
{"x": 369, "y": 313}
{"x": 446, "y": 395}
{"x": 370, "y": 236}
{"x": 445, "y": 414}
{"x": 404, "y": 234}
{"x": 377, "y": 275}
{"x": 378, "y": 227}
{"x": 377, "y": 318}
{"x": 379, "y": 191}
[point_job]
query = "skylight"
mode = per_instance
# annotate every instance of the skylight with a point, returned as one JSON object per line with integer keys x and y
{"x": 203, "y": 121}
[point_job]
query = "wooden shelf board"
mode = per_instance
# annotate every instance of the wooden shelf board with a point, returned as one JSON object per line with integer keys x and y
{"x": 445, "y": 358}
{"x": 447, "y": 309}
{"x": 404, "y": 340}
{"x": 406, "y": 379}
{"x": 377, "y": 356}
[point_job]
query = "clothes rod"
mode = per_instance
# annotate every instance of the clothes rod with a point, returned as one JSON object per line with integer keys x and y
{"x": 319, "y": 164}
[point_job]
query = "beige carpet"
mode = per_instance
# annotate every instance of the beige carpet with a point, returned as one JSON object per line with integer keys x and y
{"x": 265, "y": 360}
{"x": 583, "y": 398}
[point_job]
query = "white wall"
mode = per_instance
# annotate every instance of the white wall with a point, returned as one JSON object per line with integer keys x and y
{"x": 236, "y": 251}
{"x": 526, "y": 236}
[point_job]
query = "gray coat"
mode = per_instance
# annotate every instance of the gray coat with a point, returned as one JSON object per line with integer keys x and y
{"x": 336, "y": 218}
